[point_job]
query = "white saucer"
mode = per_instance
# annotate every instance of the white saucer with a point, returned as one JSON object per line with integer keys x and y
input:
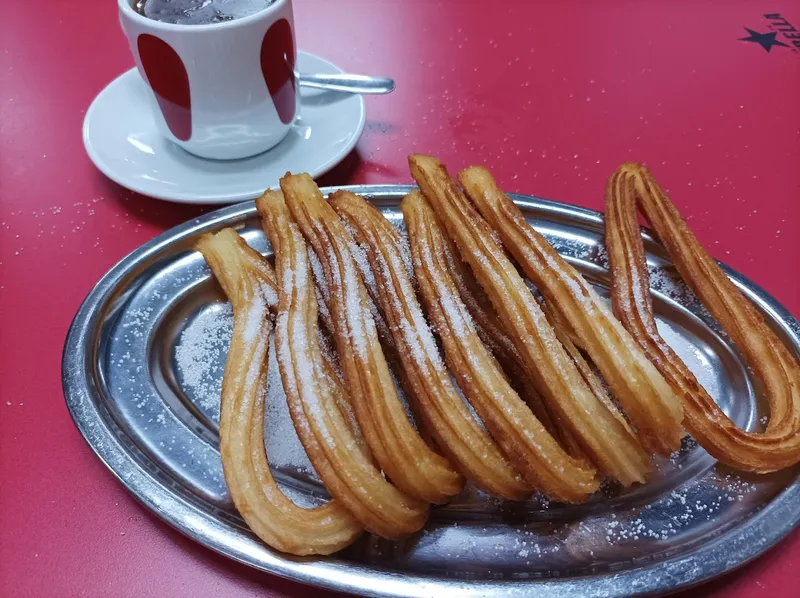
{"x": 121, "y": 139}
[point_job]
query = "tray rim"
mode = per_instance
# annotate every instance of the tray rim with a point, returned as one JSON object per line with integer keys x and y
{"x": 776, "y": 520}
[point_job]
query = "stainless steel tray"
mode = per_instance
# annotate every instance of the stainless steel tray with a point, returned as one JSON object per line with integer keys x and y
{"x": 142, "y": 367}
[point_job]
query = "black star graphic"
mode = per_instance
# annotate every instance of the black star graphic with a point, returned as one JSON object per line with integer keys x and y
{"x": 765, "y": 40}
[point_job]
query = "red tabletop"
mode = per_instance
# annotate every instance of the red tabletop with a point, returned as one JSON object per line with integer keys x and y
{"x": 550, "y": 98}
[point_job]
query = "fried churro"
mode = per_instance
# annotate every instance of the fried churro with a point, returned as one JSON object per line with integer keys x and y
{"x": 405, "y": 458}
{"x": 630, "y": 186}
{"x": 520, "y": 434}
{"x": 345, "y": 467}
{"x": 648, "y": 401}
{"x": 608, "y": 443}
{"x": 268, "y": 512}
{"x": 468, "y": 445}
{"x": 490, "y": 331}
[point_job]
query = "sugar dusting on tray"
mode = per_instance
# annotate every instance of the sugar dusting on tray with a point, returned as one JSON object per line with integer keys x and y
{"x": 200, "y": 356}
{"x": 283, "y": 445}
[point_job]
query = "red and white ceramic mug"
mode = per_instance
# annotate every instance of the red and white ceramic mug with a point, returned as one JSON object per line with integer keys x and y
{"x": 223, "y": 90}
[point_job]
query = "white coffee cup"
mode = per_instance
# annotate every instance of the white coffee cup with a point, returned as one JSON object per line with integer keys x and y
{"x": 223, "y": 90}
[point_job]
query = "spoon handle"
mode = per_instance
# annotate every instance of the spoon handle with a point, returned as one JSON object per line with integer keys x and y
{"x": 347, "y": 83}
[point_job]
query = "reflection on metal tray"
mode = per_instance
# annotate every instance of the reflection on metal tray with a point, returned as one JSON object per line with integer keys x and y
{"x": 142, "y": 371}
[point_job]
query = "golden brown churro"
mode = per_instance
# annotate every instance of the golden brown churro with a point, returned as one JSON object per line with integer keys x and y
{"x": 779, "y": 445}
{"x": 490, "y": 331}
{"x": 468, "y": 446}
{"x": 344, "y": 466}
{"x": 608, "y": 443}
{"x": 397, "y": 446}
{"x": 269, "y": 513}
{"x": 520, "y": 434}
{"x": 648, "y": 401}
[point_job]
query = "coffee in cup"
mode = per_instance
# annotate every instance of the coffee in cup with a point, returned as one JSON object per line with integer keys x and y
{"x": 198, "y": 12}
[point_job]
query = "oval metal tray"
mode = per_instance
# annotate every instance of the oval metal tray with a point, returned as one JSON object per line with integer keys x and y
{"x": 142, "y": 369}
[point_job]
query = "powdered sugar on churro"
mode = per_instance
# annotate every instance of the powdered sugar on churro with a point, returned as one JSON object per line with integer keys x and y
{"x": 461, "y": 323}
{"x": 368, "y": 278}
{"x": 455, "y": 312}
{"x": 345, "y": 282}
{"x": 405, "y": 255}
{"x": 298, "y": 360}
{"x": 270, "y": 294}
{"x": 362, "y": 262}
{"x": 416, "y": 332}
{"x": 393, "y": 264}
{"x": 254, "y": 322}
{"x": 354, "y": 307}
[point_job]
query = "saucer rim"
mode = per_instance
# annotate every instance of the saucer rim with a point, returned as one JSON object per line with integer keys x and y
{"x": 198, "y": 198}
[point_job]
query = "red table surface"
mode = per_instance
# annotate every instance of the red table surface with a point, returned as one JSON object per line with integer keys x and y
{"x": 551, "y": 98}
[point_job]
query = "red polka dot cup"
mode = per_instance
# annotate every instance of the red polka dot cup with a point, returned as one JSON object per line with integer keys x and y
{"x": 223, "y": 90}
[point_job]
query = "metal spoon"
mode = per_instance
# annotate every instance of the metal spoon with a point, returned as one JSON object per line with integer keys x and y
{"x": 347, "y": 83}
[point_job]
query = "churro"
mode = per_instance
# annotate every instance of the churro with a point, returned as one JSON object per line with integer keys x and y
{"x": 268, "y": 512}
{"x": 630, "y": 186}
